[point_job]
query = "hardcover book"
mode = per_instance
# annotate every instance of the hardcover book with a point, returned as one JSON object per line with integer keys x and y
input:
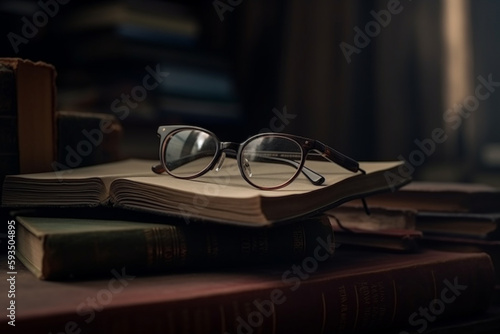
{"x": 461, "y": 224}
{"x": 387, "y": 240}
{"x": 27, "y": 110}
{"x": 383, "y": 229}
{"x": 355, "y": 292}
{"x": 221, "y": 196}
{"x": 377, "y": 219}
{"x": 441, "y": 197}
{"x": 55, "y": 247}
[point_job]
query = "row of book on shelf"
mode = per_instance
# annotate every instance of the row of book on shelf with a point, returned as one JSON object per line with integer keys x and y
{"x": 305, "y": 259}
{"x": 112, "y": 35}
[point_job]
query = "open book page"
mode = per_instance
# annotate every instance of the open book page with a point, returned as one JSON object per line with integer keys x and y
{"x": 339, "y": 187}
{"x": 225, "y": 195}
{"x": 79, "y": 186}
{"x": 228, "y": 183}
{"x": 112, "y": 170}
{"x": 218, "y": 196}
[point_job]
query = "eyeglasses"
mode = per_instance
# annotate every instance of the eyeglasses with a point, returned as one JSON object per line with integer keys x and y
{"x": 266, "y": 161}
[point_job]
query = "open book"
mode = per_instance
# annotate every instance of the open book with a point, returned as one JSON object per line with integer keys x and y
{"x": 221, "y": 196}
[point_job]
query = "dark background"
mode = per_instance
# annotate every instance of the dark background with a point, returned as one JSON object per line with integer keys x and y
{"x": 285, "y": 58}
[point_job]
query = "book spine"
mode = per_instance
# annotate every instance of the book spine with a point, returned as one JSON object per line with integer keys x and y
{"x": 9, "y": 146}
{"x": 9, "y": 142}
{"x": 35, "y": 112}
{"x": 171, "y": 247}
{"x": 8, "y": 89}
{"x": 9, "y": 152}
{"x": 409, "y": 298}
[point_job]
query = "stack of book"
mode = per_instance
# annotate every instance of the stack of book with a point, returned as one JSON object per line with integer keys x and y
{"x": 459, "y": 217}
{"x": 158, "y": 254}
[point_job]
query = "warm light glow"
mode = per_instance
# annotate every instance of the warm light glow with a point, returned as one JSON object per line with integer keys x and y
{"x": 458, "y": 78}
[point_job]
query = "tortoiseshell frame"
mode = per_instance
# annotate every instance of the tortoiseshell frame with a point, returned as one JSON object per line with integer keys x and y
{"x": 306, "y": 144}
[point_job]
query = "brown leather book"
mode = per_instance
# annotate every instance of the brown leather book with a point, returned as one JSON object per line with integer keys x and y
{"x": 461, "y": 224}
{"x": 383, "y": 229}
{"x": 9, "y": 143}
{"x": 31, "y": 114}
{"x": 439, "y": 196}
{"x": 355, "y": 292}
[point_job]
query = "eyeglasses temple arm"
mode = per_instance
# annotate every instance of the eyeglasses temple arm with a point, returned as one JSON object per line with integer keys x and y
{"x": 311, "y": 175}
{"x": 314, "y": 177}
{"x": 337, "y": 157}
{"x": 363, "y": 200}
{"x": 158, "y": 169}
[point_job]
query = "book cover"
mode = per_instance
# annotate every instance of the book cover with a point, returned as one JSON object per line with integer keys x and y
{"x": 441, "y": 197}
{"x": 9, "y": 143}
{"x": 387, "y": 240}
{"x": 377, "y": 218}
{"x": 35, "y": 104}
{"x": 379, "y": 229}
{"x": 357, "y": 292}
{"x": 460, "y": 224}
{"x": 56, "y": 247}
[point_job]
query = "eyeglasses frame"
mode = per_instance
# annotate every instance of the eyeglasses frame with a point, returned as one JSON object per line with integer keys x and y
{"x": 307, "y": 145}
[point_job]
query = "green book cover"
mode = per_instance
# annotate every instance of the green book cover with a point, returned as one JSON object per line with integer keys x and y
{"x": 66, "y": 248}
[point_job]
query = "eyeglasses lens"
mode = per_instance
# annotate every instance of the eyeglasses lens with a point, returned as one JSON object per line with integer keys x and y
{"x": 271, "y": 161}
{"x": 189, "y": 152}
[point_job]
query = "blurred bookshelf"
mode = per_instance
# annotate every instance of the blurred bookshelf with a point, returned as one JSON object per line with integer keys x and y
{"x": 158, "y": 62}
{"x": 150, "y": 63}
{"x": 230, "y": 75}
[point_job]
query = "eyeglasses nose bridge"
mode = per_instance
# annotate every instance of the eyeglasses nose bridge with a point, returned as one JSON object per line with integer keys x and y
{"x": 220, "y": 162}
{"x": 246, "y": 168}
